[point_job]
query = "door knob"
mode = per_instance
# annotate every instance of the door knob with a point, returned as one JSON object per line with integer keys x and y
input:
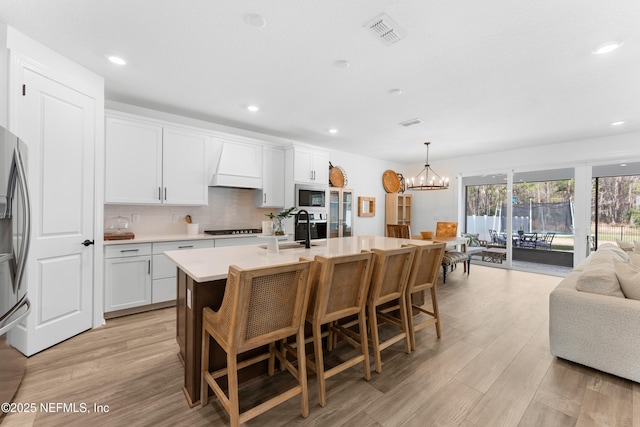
{"x": 87, "y": 242}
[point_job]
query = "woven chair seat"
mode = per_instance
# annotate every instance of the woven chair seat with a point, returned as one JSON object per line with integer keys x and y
{"x": 453, "y": 257}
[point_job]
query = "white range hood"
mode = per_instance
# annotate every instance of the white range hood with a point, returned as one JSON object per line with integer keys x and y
{"x": 236, "y": 164}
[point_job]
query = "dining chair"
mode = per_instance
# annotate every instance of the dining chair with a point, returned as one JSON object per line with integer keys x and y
{"x": 423, "y": 277}
{"x": 339, "y": 290}
{"x": 391, "y": 268}
{"x": 260, "y": 306}
{"x": 446, "y": 229}
{"x": 402, "y": 231}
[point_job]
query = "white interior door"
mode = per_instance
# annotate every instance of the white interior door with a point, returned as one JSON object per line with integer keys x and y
{"x": 58, "y": 125}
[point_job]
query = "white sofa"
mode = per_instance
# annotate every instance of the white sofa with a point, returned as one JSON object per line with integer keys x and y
{"x": 600, "y": 330}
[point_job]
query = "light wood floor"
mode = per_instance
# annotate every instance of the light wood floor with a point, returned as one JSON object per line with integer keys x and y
{"x": 492, "y": 367}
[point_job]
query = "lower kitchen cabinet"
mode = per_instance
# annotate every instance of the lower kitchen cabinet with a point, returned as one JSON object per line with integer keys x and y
{"x": 164, "y": 270}
{"x": 127, "y": 276}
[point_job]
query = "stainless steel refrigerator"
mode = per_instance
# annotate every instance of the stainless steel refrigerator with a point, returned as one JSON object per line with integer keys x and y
{"x": 15, "y": 227}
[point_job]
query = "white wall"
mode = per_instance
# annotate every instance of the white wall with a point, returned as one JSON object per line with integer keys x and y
{"x": 364, "y": 175}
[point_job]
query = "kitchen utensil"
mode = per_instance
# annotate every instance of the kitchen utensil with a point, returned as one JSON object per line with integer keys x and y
{"x": 188, "y": 219}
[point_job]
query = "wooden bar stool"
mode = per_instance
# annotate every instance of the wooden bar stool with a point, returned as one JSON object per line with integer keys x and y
{"x": 260, "y": 306}
{"x": 424, "y": 276}
{"x": 388, "y": 284}
{"x": 339, "y": 290}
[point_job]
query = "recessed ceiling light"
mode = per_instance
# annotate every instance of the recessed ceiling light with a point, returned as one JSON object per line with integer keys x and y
{"x": 256, "y": 20}
{"x": 618, "y": 123}
{"x": 342, "y": 64}
{"x": 333, "y": 131}
{"x": 116, "y": 60}
{"x": 253, "y": 108}
{"x": 607, "y": 47}
{"x": 395, "y": 92}
{"x": 624, "y": 165}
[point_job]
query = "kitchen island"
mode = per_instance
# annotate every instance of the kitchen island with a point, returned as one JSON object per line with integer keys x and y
{"x": 201, "y": 281}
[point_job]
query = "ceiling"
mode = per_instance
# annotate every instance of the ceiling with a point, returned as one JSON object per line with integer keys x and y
{"x": 481, "y": 75}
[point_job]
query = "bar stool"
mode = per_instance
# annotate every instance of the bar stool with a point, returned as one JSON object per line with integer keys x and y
{"x": 388, "y": 284}
{"x": 260, "y": 306}
{"x": 339, "y": 290}
{"x": 424, "y": 276}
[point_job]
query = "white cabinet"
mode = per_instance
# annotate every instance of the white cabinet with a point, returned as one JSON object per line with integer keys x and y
{"x": 310, "y": 166}
{"x": 341, "y": 207}
{"x": 127, "y": 276}
{"x": 163, "y": 287}
{"x": 133, "y": 161}
{"x": 147, "y": 162}
{"x": 184, "y": 167}
{"x": 271, "y": 195}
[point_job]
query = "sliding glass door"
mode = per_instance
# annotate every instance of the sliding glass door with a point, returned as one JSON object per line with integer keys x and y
{"x": 531, "y": 220}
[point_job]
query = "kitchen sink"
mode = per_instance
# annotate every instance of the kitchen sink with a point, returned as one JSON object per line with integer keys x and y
{"x": 293, "y": 245}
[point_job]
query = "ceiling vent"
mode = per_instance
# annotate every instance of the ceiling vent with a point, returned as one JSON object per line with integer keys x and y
{"x": 385, "y": 30}
{"x": 410, "y": 122}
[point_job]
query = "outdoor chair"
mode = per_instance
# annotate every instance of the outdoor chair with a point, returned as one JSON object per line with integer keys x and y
{"x": 497, "y": 239}
{"x": 529, "y": 240}
{"x": 545, "y": 242}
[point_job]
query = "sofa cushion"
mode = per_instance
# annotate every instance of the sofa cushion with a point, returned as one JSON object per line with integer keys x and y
{"x": 625, "y": 246}
{"x": 474, "y": 239}
{"x": 599, "y": 281}
{"x": 629, "y": 279}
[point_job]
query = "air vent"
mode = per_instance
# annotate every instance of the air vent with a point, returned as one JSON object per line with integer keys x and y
{"x": 410, "y": 122}
{"x": 386, "y": 30}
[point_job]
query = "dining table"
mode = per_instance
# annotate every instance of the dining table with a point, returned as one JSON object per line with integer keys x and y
{"x": 201, "y": 281}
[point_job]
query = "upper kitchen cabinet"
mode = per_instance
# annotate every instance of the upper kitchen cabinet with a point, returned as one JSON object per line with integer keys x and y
{"x": 235, "y": 162}
{"x": 184, "y": 167}
{"x": 147, "y": 162}
{"x": 271, "y": 195}
{"x": 309, "y": 166}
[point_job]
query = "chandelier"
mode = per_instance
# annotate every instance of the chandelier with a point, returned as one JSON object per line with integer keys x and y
{"x": 428, "y": 179}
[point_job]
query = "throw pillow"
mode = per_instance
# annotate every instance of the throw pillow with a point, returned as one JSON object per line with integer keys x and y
{"x": 625, "y": 246}
{"x": 474, "y": 239}
{"x": 629, "y": 278}
{"x": 603, "y": 282}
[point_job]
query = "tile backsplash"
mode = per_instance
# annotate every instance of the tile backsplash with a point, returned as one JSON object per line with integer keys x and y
{"x": 229, "y": 208}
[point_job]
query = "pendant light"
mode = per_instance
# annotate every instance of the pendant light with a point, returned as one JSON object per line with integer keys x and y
{"x": 428, "y": 179}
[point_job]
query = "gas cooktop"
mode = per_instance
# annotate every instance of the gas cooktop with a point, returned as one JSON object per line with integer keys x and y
{"x": 236, "y": 231}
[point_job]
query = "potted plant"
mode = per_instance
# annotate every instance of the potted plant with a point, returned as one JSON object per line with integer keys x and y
{"x": 278, "y": 227}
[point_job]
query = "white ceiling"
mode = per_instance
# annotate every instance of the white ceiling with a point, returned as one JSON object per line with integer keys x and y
{"x": 482, "y": 75}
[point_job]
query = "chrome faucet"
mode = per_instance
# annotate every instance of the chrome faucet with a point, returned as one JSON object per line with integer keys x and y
{"x": 307, "y": 239}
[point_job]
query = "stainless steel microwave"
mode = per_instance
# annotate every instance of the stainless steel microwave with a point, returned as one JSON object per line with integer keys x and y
{"x": 312, "y": 197}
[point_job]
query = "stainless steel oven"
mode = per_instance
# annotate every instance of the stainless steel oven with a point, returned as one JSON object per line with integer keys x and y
{"x": 317, "y": 225}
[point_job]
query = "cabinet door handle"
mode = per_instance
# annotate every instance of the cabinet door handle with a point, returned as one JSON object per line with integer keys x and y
{"x": 159, "y": 193}
{"x": 185, "y": 247}
{"x": 129, "y": 250}
{"x": 165, "y": 193}
{"x": 264, "y": 198}
{"x": 148, "y": 266}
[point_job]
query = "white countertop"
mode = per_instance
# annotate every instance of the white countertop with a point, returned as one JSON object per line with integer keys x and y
{"x": 204, "y": 265}
{"x": 152, "y": 238}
